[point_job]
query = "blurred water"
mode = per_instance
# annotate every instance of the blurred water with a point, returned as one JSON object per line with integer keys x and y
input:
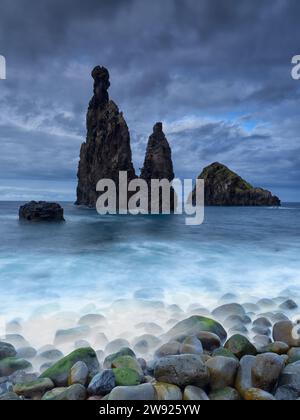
{"x": 92, "y": 258}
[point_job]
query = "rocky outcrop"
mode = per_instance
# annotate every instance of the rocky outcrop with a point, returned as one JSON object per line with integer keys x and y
{"x": 107, "y": 150}
{"x": 158, "y": 163}
{"x": 225, "y": 188}
{"x": 41, "y": 212}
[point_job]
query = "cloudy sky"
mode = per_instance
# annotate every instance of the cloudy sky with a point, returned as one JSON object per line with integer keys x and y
{"x": 216, "y": 72}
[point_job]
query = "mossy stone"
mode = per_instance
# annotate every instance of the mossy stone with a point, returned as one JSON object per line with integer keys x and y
{"x": 10, "y": 365}
{"x": 60, "y": 371}
{"x": 126, "y": 377}
{"x": 240, "y": 346}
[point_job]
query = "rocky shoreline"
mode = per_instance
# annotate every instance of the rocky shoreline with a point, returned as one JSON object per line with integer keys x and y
{"x": 248, "y": 351}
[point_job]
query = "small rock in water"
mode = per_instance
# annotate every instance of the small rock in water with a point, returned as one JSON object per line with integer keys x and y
{"x": 16, "y": 340}
{"x": 150, "y": 327}
{"x": 169, "y": 349}
{"x": 238, "y": 329}
{"x": 34, "y": 389}
{"x": 285, "y": 331}
{"x": 288, "y": 305}
{"x": 71, "y": 334}
{"x": 224, "y": 311}
{"x": 266, "y": 371}
{"x": 209, "y": 341}
{"x": 7, "y": 350}
{"x": 255, "y": 394}
{"x": 193, "y": 393}
{"x": 276, "y": 347}
{"x": 167, "y": 392}
{"x": 225, "y": 394}
{"x": 127, "y": 362}
{"x": 266, "y": 303}
{"x": 26, "y": 353}
{"x": 244, "y": 376}
{"x": 100, "y": 340}
{"x": 291, "y": 376}
{"x": 12, "y": 364}
{"x": 41, "y": 212}
{"x": 60, "y": 371}
{"x": 261, "y": 341}
{"x": 261, "y": 330}
{"x": 240, "y": 346}
{"x": 191, "y": 345}
{"x": 79, "y": 374}
{"x": 52, "y": 355}
{"x": 222, "y": 371}
{"x": 294, "y": 354}
{"x": 73, "y": 393}
{"x": 92, "y": 320}
{"x": 182, "y": 370}
{"x": 287, "y": 393}
{"x": 144, "y": 392}
{"x": 262, "y": 322}
{"x": 13, "y": 327}
{"x": 125, "y": 351}
{"x": 126, "y": 377}
{"x": 103, "y": 383}
{"x": 115, "y": 345}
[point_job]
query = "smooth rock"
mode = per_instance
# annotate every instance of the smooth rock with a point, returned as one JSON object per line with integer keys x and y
{"x": 52, "y": 355}
{"x": 103, "y": 383}
{"x": 92, "y": 320}
{"x": 244, "y": 376}
{"x": 209, "y": 341}
{"x": 224, "y": 311}
{"x": 194, "y": 393}
{"x": 291, "y": 376}
{"x": 7, "y": 350}
{"x": 144, "y": 392}
{"x": 294, "y": 355}
{"x": 182, "y": 370}
{"x": 34, "y": 390}
{"x": 262, "y": 322}
{"x": 16, "y": 340}
{"x": 79, "y": 374}
{"x": 191, "y": 345}
{"x": 287, "y": 393}
{"x": 167, "y": 392}
{"x": 126, "y": 377}
{"x": 288, "y": 305}
{"x": 71, "y": 334}
{"x": 26, "y": 353}
{"x": 9, "y": 396}
{"x": 255, "y": 394}
{"x": 277, "y": 347}
{"x": 13, "y": 364}
{"x": 266, "y": 371}
{"x": 240, "y": 346}
{"x": 116, "y": 345}
{"x": 169, "y": 349}
{"x": 127, "y": 362}
{"x": 225, "y": 394}
{"x": 75, "y": 392}
{"x": 261, "y": 341}
{"x": 222, "y": 372}
{"x": 224, "y": 352}
{"x": 195, "y": 325}
{"x": 60, "y": 371}
{"x": 285, "y": 331}
{"x": 125, "y": 351}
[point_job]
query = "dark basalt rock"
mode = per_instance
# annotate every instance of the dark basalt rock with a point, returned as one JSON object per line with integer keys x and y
{"x": 225, "y": 188}
{"x": 41, "y": 211}
{"x": 107, "y": 148}
{"x": 158, "y": 163}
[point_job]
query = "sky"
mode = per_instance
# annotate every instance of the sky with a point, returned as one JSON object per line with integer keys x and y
{"x": 217, "y": 73}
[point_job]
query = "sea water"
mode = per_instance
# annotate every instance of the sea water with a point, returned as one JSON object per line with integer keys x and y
{"x": 93, "y": 261}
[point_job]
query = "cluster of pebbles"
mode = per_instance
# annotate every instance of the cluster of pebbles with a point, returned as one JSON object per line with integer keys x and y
{"x": 248, "y": 351}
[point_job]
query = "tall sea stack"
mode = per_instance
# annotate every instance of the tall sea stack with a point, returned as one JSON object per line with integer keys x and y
{"x": 158, "y": 163}
{"x": 107, "y": 149}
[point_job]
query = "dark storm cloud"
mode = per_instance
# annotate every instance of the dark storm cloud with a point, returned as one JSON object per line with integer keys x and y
{"x": 217, "y": 72}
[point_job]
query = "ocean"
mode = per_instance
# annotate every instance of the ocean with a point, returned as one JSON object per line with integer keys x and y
{"x": 253, "y": 252}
